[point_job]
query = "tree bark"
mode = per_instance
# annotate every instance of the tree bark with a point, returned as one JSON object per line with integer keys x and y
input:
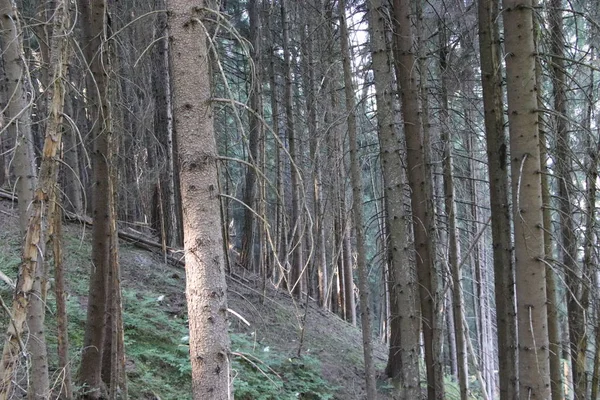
{"x": 357, "y": 210}
{"x": 496, "y": 140}
{"x": 407, "y": 75}
{"x": 28, "y": 301}
{"x": 204, "y": 256}
{"x": 534, "y": 369}
{"x": 94, "y": 19}
{"x": 18, "y": 113}
{"x": 403, "y": 362}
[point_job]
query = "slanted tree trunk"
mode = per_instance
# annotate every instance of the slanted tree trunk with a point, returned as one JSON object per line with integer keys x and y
{"x": 405, "y": 319}
{"x": 93, "y": 19}
{"x": 534, "y": 368}
{"x": 30, "y": 294}
{"x": 204, "y": 256}
{"x": 357, "y": 210}
{"x": 504, "y": 281}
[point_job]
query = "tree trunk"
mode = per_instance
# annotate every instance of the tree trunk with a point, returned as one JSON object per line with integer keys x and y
{"x": 403, "y": 362}
{"x": 504, "y": 281}
{"x": 453, "y": 244}
{"x": 204, "y": 257}
{"x": 18, "y": 112}
{"x": 30, "y": 294}
{"x": 295, "y": 280}
{"x": 534, "y": 368}
{"x": 357, "y": 210}
{"x": 163, "y": 126}
{"x": 66, "y": 385}
{"x": 418, "y": 177}
{"x": 94, "y": 19}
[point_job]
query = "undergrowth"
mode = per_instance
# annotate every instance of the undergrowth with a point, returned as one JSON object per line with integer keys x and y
{"x": 156, "y": 341}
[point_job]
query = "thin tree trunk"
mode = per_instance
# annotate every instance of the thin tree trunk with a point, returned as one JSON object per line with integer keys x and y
{"x": 504, "y": 281}
{"x": 204, "y": 256}
{"x": 66, "y": 385}
{"x": 295, "y": 281}
{"x": 357, "y": 210}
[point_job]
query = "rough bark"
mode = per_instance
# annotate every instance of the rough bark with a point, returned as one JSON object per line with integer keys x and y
{"x": 28, "y": 304}
{"x": 18, "y": 108}
{"x": 403, "y": 362}
{"x": 204, "y": 256}
{"x": 93, "y": 20}
{"x": 419, "y": 182}
{"x": 534, "y": 368}
{"x": 496, "y": 140}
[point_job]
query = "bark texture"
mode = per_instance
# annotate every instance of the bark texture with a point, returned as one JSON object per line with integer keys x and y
{"x": 496, "y": 140}
{"x": 204, "y": 256}
{"x": 534, "y": 368}
{"x": 403, "y": 362}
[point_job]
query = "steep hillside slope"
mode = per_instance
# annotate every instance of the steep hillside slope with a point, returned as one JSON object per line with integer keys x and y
{"x": 156, "y": 333}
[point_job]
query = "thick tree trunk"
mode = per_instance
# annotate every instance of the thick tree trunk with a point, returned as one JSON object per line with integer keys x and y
{"x": 403, "y": 362}
{"x": 534, "y": 368}
{"x": 504, "y": 281}
{"x": 204, "y": 256}
{"x": 93, "y": 19}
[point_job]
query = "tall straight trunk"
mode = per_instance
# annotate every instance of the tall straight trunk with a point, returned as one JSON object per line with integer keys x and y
{"x": 357, "y": 209}
{"x": 28, "y": 303}
{"x": 93, "y": 21}
{"x": 295, "y": 280}
{"x": 453, "y": 244}
{"x": 18, "y": 108}
{"x": 496, "y": 140}
{"x": 534, "y": 368}
{"x": 418, "y": 177}
{"x": 163, "y": 125}
{"x": 405, "y": 318}
{"x": 204, "y": 255}
{"x": 552, "y": 292}
{"x": 249, "y": 233}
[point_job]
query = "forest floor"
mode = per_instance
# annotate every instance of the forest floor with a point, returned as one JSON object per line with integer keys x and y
{"x": 156, "y": 331}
